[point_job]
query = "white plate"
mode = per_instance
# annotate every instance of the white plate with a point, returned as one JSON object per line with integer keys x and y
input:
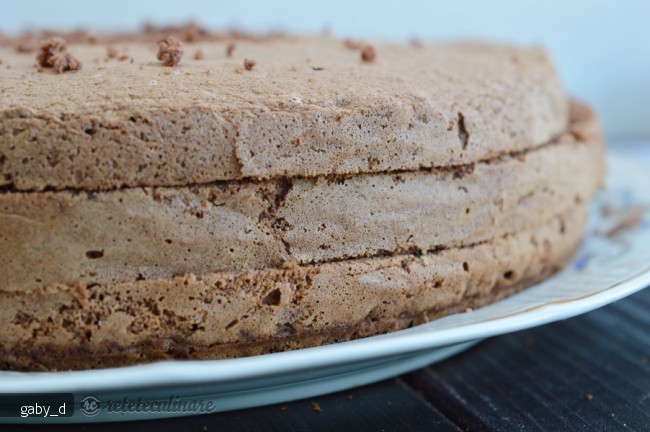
{"x": 603, "y": 270}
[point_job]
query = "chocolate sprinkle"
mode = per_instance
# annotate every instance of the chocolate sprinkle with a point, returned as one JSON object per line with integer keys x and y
{"x": 170, "y": 51}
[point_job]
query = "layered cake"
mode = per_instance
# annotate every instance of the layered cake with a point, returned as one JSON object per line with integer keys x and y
{"x": 187, "y": 195}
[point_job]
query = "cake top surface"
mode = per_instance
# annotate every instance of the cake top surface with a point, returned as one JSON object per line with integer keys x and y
{"x": 233, "y": 108}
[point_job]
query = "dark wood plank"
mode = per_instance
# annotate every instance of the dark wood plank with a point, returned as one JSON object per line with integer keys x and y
{"x": 589, "y": 373}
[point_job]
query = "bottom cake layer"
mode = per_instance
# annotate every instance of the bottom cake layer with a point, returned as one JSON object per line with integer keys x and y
{"x": 224, "y": 315}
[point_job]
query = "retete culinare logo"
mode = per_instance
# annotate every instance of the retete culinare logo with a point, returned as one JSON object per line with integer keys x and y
{"x": 90, "y": 406}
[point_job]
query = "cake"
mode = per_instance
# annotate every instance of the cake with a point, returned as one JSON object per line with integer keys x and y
{"x": 224, "y": 196}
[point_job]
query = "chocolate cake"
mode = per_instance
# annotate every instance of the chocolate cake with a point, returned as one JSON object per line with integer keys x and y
{"x": 217, "y": 196}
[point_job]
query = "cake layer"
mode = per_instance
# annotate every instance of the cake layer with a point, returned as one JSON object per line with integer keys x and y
{"x": 252, "y": 312}
{"x": 151, "y": 233}
{"x": 310, "y": 106}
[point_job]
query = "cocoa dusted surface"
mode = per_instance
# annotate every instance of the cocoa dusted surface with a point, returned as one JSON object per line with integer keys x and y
{"x": 310, "y": 106}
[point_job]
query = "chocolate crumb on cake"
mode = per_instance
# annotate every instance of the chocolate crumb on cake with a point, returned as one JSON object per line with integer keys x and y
{"x": 170, "y": 51}
{"x": 53, "y": 53}
{"x": 249, "y": 64}
{"x": 211, "y": 212}
{"x": 368, "y": 53}
{"x": 49, "y": 49}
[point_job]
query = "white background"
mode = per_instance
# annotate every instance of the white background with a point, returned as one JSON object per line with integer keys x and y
{"x": 602, "y": 49}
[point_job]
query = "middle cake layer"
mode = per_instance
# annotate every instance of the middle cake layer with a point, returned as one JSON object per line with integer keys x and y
{"x": 143, "y": 233}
